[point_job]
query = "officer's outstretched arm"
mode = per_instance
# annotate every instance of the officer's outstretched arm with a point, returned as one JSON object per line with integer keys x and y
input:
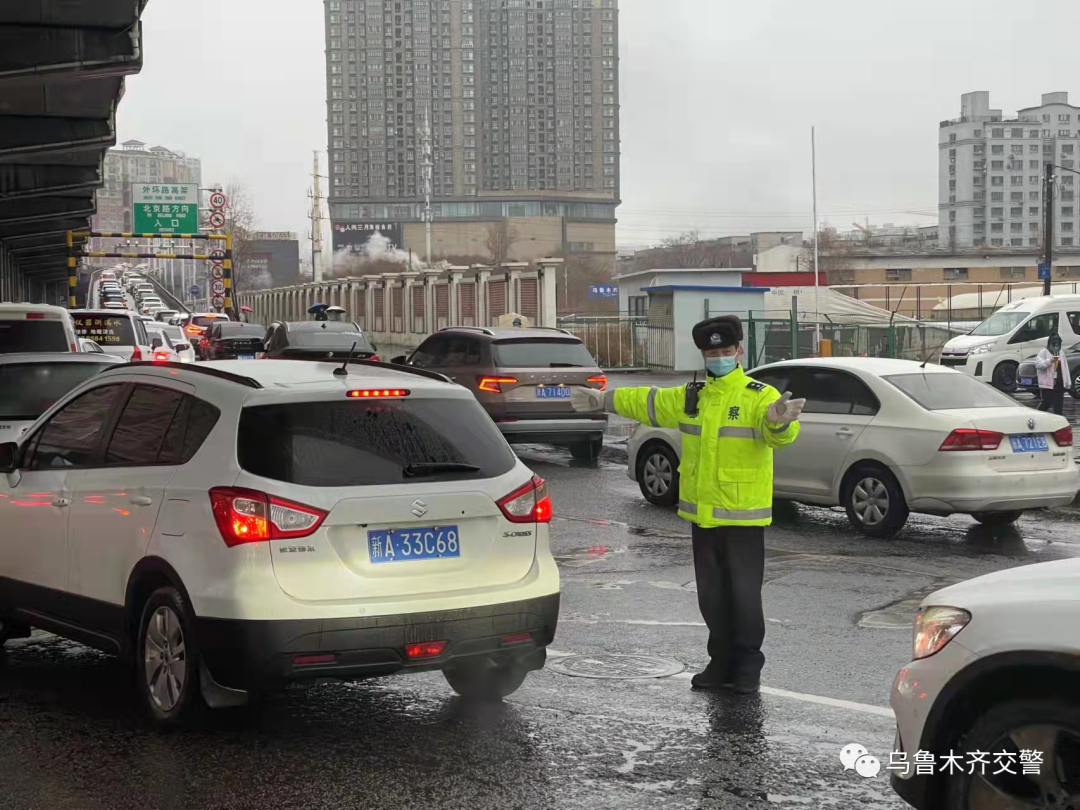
{"x": 659, "y": 407}
{"x": 774, "y": 434}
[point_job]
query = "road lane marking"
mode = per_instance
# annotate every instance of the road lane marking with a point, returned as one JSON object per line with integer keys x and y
{"x": 835, "y": 703}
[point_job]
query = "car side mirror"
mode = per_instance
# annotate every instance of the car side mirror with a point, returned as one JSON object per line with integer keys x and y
{"x": 9, "y": 457}
{"x": 374, "y": 348}
{"x": 400, "y": 360}
{"x": 156, "y": 343}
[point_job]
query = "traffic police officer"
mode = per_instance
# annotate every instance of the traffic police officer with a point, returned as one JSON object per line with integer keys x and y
{"x": 730, "y": 426}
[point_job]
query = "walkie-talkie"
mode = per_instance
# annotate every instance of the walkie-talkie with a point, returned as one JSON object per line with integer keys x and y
{"x": 690, "y": 408}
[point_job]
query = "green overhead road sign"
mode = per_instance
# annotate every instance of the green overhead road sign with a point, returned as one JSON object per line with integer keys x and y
{"x": 165, "y": 207}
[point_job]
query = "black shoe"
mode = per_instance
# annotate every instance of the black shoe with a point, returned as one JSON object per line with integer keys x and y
{"x": 746, "y": 684}
{"x": 711, "y": 678}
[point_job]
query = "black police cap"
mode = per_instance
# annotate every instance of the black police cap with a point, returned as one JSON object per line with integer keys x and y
{"x": 718, "y": 333}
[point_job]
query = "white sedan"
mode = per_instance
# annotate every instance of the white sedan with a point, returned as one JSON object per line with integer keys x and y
{"x": 994, "y": 671}
{"x": 887, "y": 437}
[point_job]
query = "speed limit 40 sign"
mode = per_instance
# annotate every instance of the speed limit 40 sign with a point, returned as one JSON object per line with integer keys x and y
{"x": 218, "y": 200}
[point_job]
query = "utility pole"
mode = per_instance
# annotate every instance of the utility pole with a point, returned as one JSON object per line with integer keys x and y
{"x": 1048, "y": 228}
{"x": 316, "y": 223}
{"x": 427, "y": 167}
{"x": 817, "y": 298}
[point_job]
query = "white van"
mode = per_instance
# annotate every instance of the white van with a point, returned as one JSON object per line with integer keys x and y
{"x": 994, "y": 349}
{"x": 36, "y": 328}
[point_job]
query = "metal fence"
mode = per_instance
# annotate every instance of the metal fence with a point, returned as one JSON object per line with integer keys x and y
{"x": 624, "y": 343}
{"x": 632, "y": 343}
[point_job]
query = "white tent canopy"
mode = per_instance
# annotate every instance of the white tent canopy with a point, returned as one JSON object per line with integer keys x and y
{"x": 992, "y": 299}
{"x": 831, "y": 304}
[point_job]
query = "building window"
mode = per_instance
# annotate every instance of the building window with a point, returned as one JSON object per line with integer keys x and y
{"x": 1066, "y": 241}
{"x": 1013, "y": 272}
{"x": 997, "y": 180}
{"x": 956, "y": 274}
{"x": 997, "y": 242}
{"x": 997, "y": 227}
{"x": 997, "y": 132}
{"x": 898, "y": 275}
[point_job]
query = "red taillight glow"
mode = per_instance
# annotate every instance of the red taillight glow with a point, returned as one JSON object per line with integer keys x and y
{"x": 1064, "y": 437}
{"x": 528, "y": 504}
{"x": 494, "y": 384}
{"x": 160, "y": 357}
{"x": 425, "y": 649}
{"x": 136, "y": 355}
{"x": 193, "y": 330}
{"x": 250, "y": 516}
{"x": 377, "y": 393}
{"x": 519, "y": 638}
{"x": 35, "y": 316}
{"x": 308, "y": 660}
{"x": 599, "y": 380}
{"x": 375, "y": 358}
{"x": 971, "y": 439}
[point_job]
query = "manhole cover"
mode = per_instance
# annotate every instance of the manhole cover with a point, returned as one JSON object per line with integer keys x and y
{"x": 616, "y": 667}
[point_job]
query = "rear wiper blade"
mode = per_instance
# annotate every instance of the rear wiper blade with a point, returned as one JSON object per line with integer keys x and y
{"x": 565, "y": 365}
{"x": 430, "y": 467}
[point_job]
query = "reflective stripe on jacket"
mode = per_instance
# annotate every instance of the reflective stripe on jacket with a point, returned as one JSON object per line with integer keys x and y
{"x": 726, "y": 471}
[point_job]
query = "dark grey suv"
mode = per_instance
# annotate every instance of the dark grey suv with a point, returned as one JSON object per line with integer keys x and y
{"x": 523, "y": 378}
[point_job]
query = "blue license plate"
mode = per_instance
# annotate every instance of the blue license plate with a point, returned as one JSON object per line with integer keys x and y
{"x": 400, "y": 545}
{"x": 552, "y": 392}
{"x": 1028, "y": 444}
{"x": 1027, "y": 381}
{"x": 245, "y": 357}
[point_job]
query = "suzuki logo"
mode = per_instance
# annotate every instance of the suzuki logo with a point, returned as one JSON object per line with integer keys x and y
{"x": 419, "y": 508}
{"x": 1031, "y": 424}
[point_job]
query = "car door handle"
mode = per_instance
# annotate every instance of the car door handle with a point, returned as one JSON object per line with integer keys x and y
{"x": 140, "y": 500}
{"x": 62, "y": 502}
{"x": 844, "y": 433}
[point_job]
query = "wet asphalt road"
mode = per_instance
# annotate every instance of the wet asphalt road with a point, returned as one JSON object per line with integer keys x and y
{"x": 838, "y": 608}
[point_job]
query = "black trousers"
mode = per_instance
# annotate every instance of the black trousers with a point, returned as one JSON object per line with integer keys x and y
{"x": 1053, "y": 398}
{"x": 729, "y": 562}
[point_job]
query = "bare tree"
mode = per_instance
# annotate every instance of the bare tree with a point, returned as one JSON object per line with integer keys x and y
{"x": 689, "y": 250}
{"x": 501, "y": 237}
{"x": 240, "y": 223}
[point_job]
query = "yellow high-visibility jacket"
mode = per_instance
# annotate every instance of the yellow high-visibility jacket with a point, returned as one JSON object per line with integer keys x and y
{"x": 726, "y": 473}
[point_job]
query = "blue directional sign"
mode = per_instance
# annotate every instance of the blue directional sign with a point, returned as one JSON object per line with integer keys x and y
{"x": 1044, "y": 271}
{"x": 603, "y": 291}
{"x": 194, "y": 289}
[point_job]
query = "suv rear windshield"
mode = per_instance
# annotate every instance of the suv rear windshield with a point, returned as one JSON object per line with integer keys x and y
{"x": 105, "y": 330}
{"x": 27, "y": 390}
{"x": 231, "y": 330}
{"x": 943, "y": 392}
{"x": 365, "y": 443}
{"x": 540, "y": 353}
{"x": 330, "y": 341}
{"x": 33, "y": 336}
{"x": 206, "y": 320}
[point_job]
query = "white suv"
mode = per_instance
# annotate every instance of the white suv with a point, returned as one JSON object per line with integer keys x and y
{"x": 995, "y": 672}
{"x": 232, "y": 526}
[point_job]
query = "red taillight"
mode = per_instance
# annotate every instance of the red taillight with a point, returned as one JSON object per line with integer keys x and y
{"x": 971, "y": 439}
{"x": 35, "y": 316}
{"x": 377, "y": 393}
{"x": 1064, "y": 437}
{"x": 599, "y": 380}
{"x": 375, "y": 358}
{"x": 250, "y": 516}
{"x": 518, "y": 638}
{"x": 528, "y": 504}
{"x": 136, "y": 355}
{"x": 425, "y": 649}
{"x": 191, "y": 329}
{"x": 160, "y": 357}
{"x": 495, "y": 384}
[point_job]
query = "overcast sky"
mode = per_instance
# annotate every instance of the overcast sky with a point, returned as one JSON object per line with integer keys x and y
{"x": 717, "y": 101}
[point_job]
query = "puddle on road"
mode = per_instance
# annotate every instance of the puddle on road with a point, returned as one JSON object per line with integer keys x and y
{"x": 898, "y": 615}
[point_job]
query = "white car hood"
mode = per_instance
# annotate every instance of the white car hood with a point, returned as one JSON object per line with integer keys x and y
{"x": 1042, "y": 582}
{"x": 968, "y": 342}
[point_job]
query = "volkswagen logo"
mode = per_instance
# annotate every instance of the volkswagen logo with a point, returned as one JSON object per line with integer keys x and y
{"x": 1031, "y": 424}
{"x": 419, "y": 508}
